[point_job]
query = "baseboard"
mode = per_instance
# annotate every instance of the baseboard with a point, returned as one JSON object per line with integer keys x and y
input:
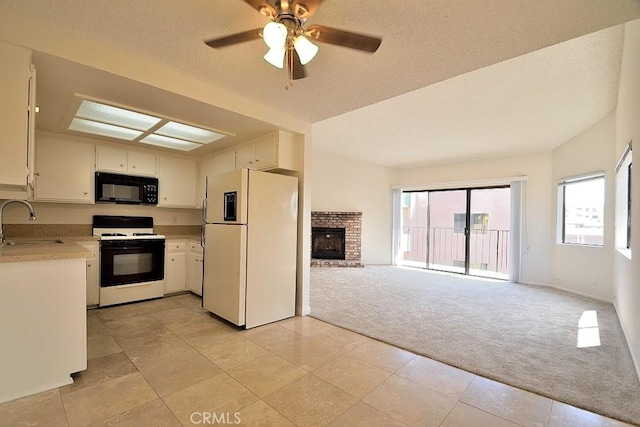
{"x": 303, "y": 311}
{"x": 571, "y": 291}
{"x": 624, "y": 332}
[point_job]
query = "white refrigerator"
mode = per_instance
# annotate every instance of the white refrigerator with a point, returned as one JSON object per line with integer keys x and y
{"x": 250, "y": 247}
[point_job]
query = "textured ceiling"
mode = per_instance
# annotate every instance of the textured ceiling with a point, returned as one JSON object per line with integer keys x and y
{"x": 534, "y": 102}
{"x": 525, "y": 105}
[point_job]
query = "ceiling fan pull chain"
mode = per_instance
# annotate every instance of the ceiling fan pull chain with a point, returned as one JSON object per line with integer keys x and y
{"x": 289, "y": 68}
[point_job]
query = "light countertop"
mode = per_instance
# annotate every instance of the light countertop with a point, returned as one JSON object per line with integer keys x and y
{"x": 45, "y": 251}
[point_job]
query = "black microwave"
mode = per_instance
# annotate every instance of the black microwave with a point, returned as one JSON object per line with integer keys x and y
{"x": 117, "y": 188}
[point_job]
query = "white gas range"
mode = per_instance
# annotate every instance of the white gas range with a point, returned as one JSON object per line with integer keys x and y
{"x": 131, "y": 259}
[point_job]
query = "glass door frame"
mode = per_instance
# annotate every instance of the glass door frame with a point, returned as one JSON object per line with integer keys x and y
{"x": 467, "y": 229}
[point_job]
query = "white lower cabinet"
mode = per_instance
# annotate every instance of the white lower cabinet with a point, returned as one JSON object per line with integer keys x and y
{"x": 93, "y": 272}
{"x": 195, "y": 263}
{"x": 175, "y": 266}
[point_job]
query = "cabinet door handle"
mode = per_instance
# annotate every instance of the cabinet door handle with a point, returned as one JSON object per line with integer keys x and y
{"x": 88, "y": 265}
{"x": 85, "y": 193}
{"x": 121, "y": 166}
{"x": 133, "y": 167}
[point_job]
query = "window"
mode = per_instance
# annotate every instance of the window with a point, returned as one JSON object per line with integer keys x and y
{"x": 406, "y": 200}
{"x": 623, "y": 203}
{"x": 581, "y": 210}
{"x": 459, "y": 222}
{"x": 479, "y": 222}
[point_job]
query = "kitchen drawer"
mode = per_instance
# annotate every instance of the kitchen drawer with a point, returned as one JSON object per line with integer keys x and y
{"x": 176, "y": 245}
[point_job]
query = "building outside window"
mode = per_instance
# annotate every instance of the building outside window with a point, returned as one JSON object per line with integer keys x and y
{"x": 581, "y": 210}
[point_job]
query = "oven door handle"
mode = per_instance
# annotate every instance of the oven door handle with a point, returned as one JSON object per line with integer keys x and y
{"x": 132, "y": 285}
{"x": 126, "y": 248}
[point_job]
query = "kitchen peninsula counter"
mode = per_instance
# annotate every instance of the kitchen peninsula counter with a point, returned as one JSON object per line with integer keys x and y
{"x": 43, "y": 309}
{"x": 45, "y": 251}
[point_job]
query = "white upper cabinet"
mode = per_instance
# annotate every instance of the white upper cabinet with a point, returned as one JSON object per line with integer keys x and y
{"x": 177, "y": 180}
{"x": 246, "y": 156}
{"x": 223, "y": 162}
{"x": 110, "y": 159}
{"x": 120, "y": 160}
{"x": 273, "y": 151}
{"x": 142, "y": 163}
{"x": 17, "y": 102}
{"x": 64, "y": 170}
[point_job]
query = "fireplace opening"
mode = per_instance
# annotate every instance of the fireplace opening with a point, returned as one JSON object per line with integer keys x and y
{"x": 328, "y": 243}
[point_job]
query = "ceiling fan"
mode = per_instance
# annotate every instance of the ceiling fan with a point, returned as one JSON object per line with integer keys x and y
{"x": 289, "y": 42}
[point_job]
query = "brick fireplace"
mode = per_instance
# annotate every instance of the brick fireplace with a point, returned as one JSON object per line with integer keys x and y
{"x": 335, "y": 239}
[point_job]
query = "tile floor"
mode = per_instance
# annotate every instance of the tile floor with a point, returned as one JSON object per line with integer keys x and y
{"x": 169, "y": 363}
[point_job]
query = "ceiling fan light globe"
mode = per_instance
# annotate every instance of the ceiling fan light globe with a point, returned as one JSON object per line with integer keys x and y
{"x": 305, "y": 49}
{"x": 275, "y": 57}
{"x": 275, "y": 34}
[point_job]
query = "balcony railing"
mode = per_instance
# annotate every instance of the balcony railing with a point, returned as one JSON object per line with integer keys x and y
{"x": 443, "y": 248}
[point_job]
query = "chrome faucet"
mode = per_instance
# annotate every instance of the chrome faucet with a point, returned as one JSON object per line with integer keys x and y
{"x": 32, "y": 215}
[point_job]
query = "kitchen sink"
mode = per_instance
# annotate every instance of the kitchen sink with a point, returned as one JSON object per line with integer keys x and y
{"x": 32, "y": 242}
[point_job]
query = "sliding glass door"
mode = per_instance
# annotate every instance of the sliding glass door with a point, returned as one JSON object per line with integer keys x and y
{"x": 447, "y": 225}
{"x": 462, "y": 231}
{"x": 413, "y": 239}
{"x": 489, "y": 229}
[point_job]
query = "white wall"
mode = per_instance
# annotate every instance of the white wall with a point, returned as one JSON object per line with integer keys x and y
{"x": 626, "y": 271}
{"x": 586, "y": 269}
{"x": 537, "y": 241}
{"x": 343, "y": 184}
{"x": 67, "y": 213}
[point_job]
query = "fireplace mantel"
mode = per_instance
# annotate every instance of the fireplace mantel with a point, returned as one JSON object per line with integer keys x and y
{"x": 352, "y": 223}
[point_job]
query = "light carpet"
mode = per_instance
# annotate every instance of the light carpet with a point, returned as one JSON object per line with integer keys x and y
{"x": 524, "y": 336}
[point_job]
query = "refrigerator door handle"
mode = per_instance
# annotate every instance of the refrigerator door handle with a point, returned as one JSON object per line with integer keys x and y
{"x": 202, "y": 235}
{"x": 204, "y": 211}
{"x": 204, "y": 202}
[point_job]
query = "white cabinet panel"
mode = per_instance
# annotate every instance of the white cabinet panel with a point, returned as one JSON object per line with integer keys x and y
{"x": 194, "y": 268}
{"x": 266, "y": 152}
{"x": 177, "y": 176}
{"x": 121, "y": 160}
{"x": 64, "y": 170}
{"x": 175, "y": 277}
{"x": 16, "y": 120}
{"x": 224, "y": 162}
{"x": 245, "y": 156}
{"x": 93, "y": 272}
{"x": 110, "y": 159}
{"x": 273, "y": 151}
{"x": 141, "y": 163}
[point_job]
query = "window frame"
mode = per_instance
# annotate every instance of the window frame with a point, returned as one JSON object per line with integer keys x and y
{"x": 561, "y": 217}
{"x": 623, "y": 202}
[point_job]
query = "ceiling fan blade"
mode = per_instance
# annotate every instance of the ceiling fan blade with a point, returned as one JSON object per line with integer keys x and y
{"x": 343, "y": 38}
{"x": 263, "y": 7}
{"x": 303, "y": 9}
{"x": 234, "y": 38}
{"x": 298, "y": 69}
